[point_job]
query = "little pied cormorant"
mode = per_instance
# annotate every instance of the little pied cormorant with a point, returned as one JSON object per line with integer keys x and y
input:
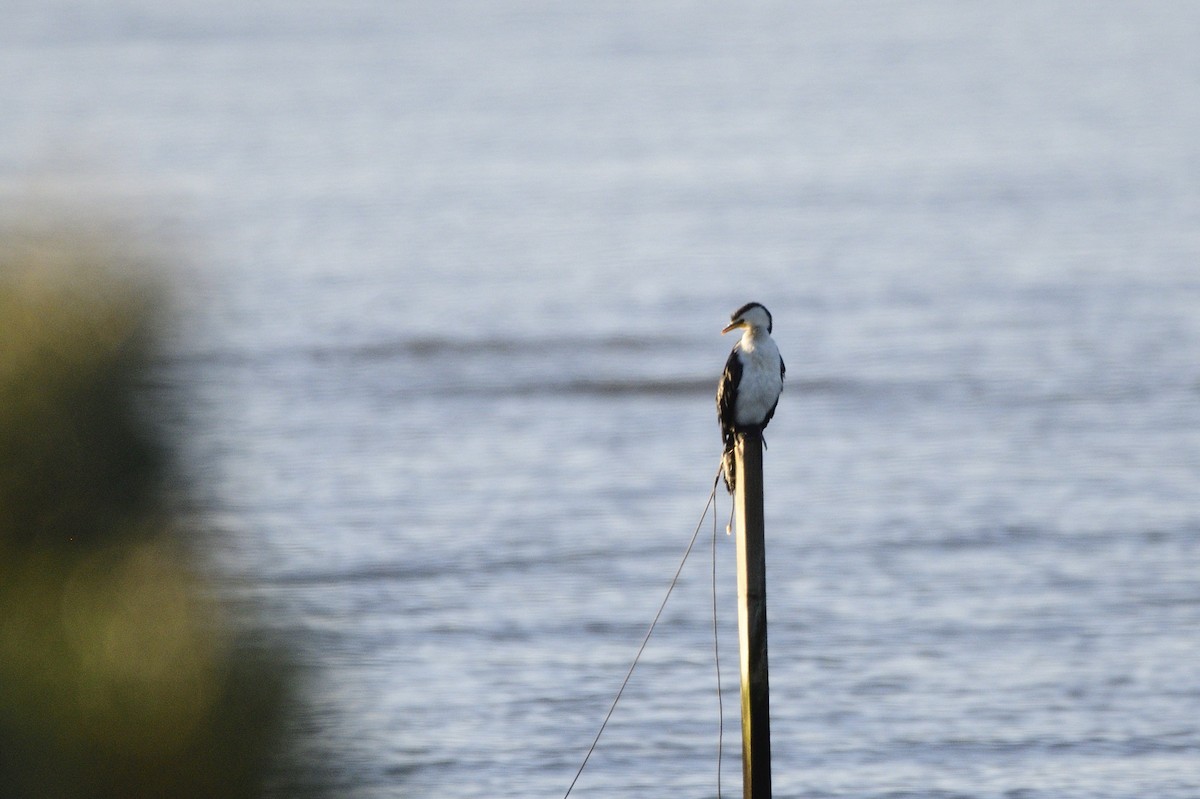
{"x": 753, "y": 379}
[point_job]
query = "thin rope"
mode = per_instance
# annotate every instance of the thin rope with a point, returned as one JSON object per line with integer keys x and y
{"x": 712, "y": 498}
{"x": 717, "y": 648}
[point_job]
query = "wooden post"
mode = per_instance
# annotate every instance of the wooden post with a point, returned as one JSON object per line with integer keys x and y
{"x": 752, "y": 619}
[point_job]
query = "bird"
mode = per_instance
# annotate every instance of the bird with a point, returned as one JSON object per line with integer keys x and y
{"x": 750, "y": 387}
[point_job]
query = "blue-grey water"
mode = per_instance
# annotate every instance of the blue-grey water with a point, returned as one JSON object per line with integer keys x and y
{"x": 451, "y": 277}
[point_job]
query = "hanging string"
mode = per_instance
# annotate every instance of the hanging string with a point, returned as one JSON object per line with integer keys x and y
{"x": 717, "y": 650}
{"x": 712, "y": 498}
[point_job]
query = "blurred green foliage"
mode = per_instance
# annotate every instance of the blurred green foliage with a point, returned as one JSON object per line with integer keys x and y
{"x": 119, "y": 676}
{"x": 78, "y": 463}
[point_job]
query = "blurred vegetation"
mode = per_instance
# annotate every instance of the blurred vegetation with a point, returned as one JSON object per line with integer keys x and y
{"x": 119, "y": 676}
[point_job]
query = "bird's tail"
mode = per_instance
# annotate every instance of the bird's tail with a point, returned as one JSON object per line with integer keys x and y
{"x": 729, "y": 463}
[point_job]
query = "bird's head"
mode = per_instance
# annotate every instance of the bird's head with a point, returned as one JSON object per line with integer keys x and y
{"x": 750, "y": 315}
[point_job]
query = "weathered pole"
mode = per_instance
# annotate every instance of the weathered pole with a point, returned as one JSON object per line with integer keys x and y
{"x": 752, "y": 619}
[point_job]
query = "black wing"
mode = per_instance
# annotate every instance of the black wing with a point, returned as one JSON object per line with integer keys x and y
{"x": 770, "y": 413}
{"x": 727, "y": 391}
{"x": 727, "y": 395}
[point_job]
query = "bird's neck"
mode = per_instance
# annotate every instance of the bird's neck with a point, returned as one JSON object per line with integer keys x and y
{"x": 752, "y": 335}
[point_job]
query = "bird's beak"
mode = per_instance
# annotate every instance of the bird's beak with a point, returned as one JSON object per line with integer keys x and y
{"x": 732, "y": 326}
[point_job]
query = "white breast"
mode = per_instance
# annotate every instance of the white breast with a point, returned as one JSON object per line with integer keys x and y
{"x": 761, "y": 382}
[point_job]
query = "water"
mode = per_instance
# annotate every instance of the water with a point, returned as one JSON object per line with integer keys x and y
{"x": 452, "y": 284}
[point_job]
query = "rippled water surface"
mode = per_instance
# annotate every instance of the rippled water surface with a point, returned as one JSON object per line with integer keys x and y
{"x": 454, "y": 283}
